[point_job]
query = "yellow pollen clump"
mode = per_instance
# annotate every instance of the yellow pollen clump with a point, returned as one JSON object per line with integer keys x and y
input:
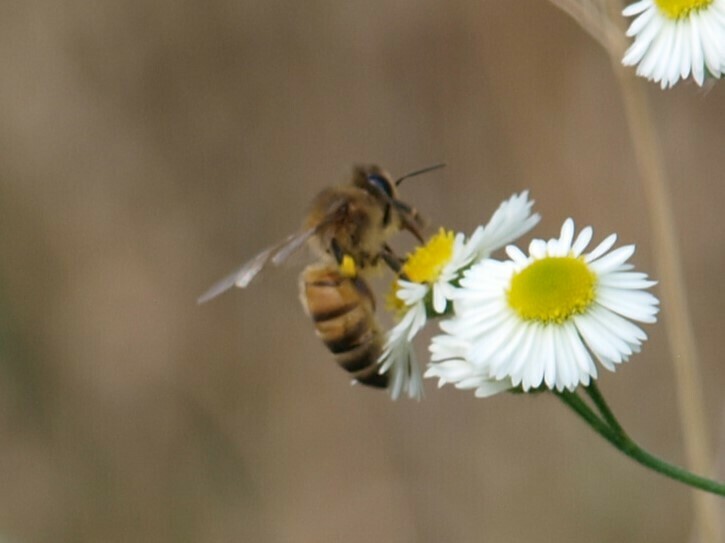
{"x": 348, "y": 267}
{"x": 678, "y": 9}
{"x": 425, "y": 264}
{"x": 552, "y": 290}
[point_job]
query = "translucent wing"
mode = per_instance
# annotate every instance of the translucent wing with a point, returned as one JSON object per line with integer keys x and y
{"x": 243, "y": 276}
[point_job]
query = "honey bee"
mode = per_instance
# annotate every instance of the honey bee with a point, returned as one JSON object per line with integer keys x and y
{"x": 348, "y": 227}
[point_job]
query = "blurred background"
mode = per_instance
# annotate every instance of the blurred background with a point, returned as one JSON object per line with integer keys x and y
{"x": 149, "y": 147}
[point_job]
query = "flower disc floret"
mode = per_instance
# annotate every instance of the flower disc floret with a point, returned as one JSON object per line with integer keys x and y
{"x": 552, "y": 289}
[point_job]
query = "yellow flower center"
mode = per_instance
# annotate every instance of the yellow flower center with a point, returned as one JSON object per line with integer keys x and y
{"x": 425, "y": 264}
{"x": 552, "y": 290}
{"x": 679, "y": 9}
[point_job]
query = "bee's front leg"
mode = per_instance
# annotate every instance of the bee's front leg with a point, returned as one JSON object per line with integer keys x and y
{"x": 337, "y": 251}
{"x": 393, "y": 261}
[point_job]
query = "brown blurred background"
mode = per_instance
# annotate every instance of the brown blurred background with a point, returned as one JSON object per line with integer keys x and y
{"x": 148, "y": 147}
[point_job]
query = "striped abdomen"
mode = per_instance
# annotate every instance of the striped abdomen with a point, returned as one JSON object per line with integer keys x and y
{"x": 343, "y": 309}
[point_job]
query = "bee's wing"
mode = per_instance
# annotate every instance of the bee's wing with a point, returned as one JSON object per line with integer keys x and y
{"x": 243, "y": 276}
{"x": 289, "y": 246}
{"x": 276, "y": 254}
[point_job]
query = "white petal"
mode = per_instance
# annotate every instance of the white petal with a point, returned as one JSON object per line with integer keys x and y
{"x": 548, "y": 356}
{"x": 537, "y": 248}
{"x": 520, "y": 352}
{"x": 602, "y": 248}
{"x": 686, "y": 59}
{"x": 581, "y": 356}
{"x": 511, "y": 220}
{"x": 450, "y": 371}
{"x": 596, "y": 341}
{"x": 635, "y": 305}
{"x": 640, "y": 22}
{"x": 698, "y": 66}
{"x": 582, "y": 240}
{"x": 566, "y": 236}
{"x": 487, "y": 389}
{"x": 628, "y": 331}
{"x": 439, "y": 300}
{"x": 483, "y": 351}
{"x": 608, "y": 329}
{"x": 626, "y": 280}
{"x": 673, "y": 73}
{"x": 567, "y": 369}
{"x": 612, "y": 260}
{"x": 661, "y": 68}
{"x": 710, "y": 45}
{"x": 637, "y": 7}
{"x": 515, "y": 254}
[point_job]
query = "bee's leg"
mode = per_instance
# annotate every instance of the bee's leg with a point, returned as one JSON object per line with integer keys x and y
{"x": 337, "y": 251}
{"x": 411, "y": 219}
{"x": 412, "y": 227}
{"x": 386, "y": 215}
{"x": 393, "y": 261}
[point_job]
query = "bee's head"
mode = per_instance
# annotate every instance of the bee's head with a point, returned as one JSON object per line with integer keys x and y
{"x": 376, "y": 181}
{"x": 380, "y": 185}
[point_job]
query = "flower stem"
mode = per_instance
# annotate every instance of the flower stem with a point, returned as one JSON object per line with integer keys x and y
{"x": 598, "y": 399}
{"x": 609, "y": 428}
{"x": 573, "y": 400}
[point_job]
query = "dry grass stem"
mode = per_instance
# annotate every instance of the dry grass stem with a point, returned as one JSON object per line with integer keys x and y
{"x": 591, "y": 15}
{"x": 666, "y": 251}
{"x": 605, "y": 24}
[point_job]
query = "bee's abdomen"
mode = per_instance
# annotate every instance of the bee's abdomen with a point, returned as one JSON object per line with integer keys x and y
{"x": 343, "y": 310}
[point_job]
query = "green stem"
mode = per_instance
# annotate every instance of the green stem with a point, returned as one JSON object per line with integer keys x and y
{"x": 573, "y": 400}
{"x": 610, "y": 429}
{"x": 593, "y": 391}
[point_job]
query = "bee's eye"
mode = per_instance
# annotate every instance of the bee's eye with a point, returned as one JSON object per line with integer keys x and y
{"x": 381, "y": 183}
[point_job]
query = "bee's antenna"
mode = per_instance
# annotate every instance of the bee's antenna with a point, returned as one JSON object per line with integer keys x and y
{"x": 419, "y": 172}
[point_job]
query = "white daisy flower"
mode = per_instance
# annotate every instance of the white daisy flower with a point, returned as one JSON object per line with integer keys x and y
{"x": 431, "y": 272}
{"x": 424, "y": 269}
{"x": 676, "y": 38}
{"x": 541, "y": 319}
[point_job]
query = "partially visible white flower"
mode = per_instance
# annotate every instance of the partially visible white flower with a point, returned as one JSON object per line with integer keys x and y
{"x": 431, "y": 272}
{"x": 676, "y": 38}
{"x": 439, "y": 263}
{"x": 538, "y": 319}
